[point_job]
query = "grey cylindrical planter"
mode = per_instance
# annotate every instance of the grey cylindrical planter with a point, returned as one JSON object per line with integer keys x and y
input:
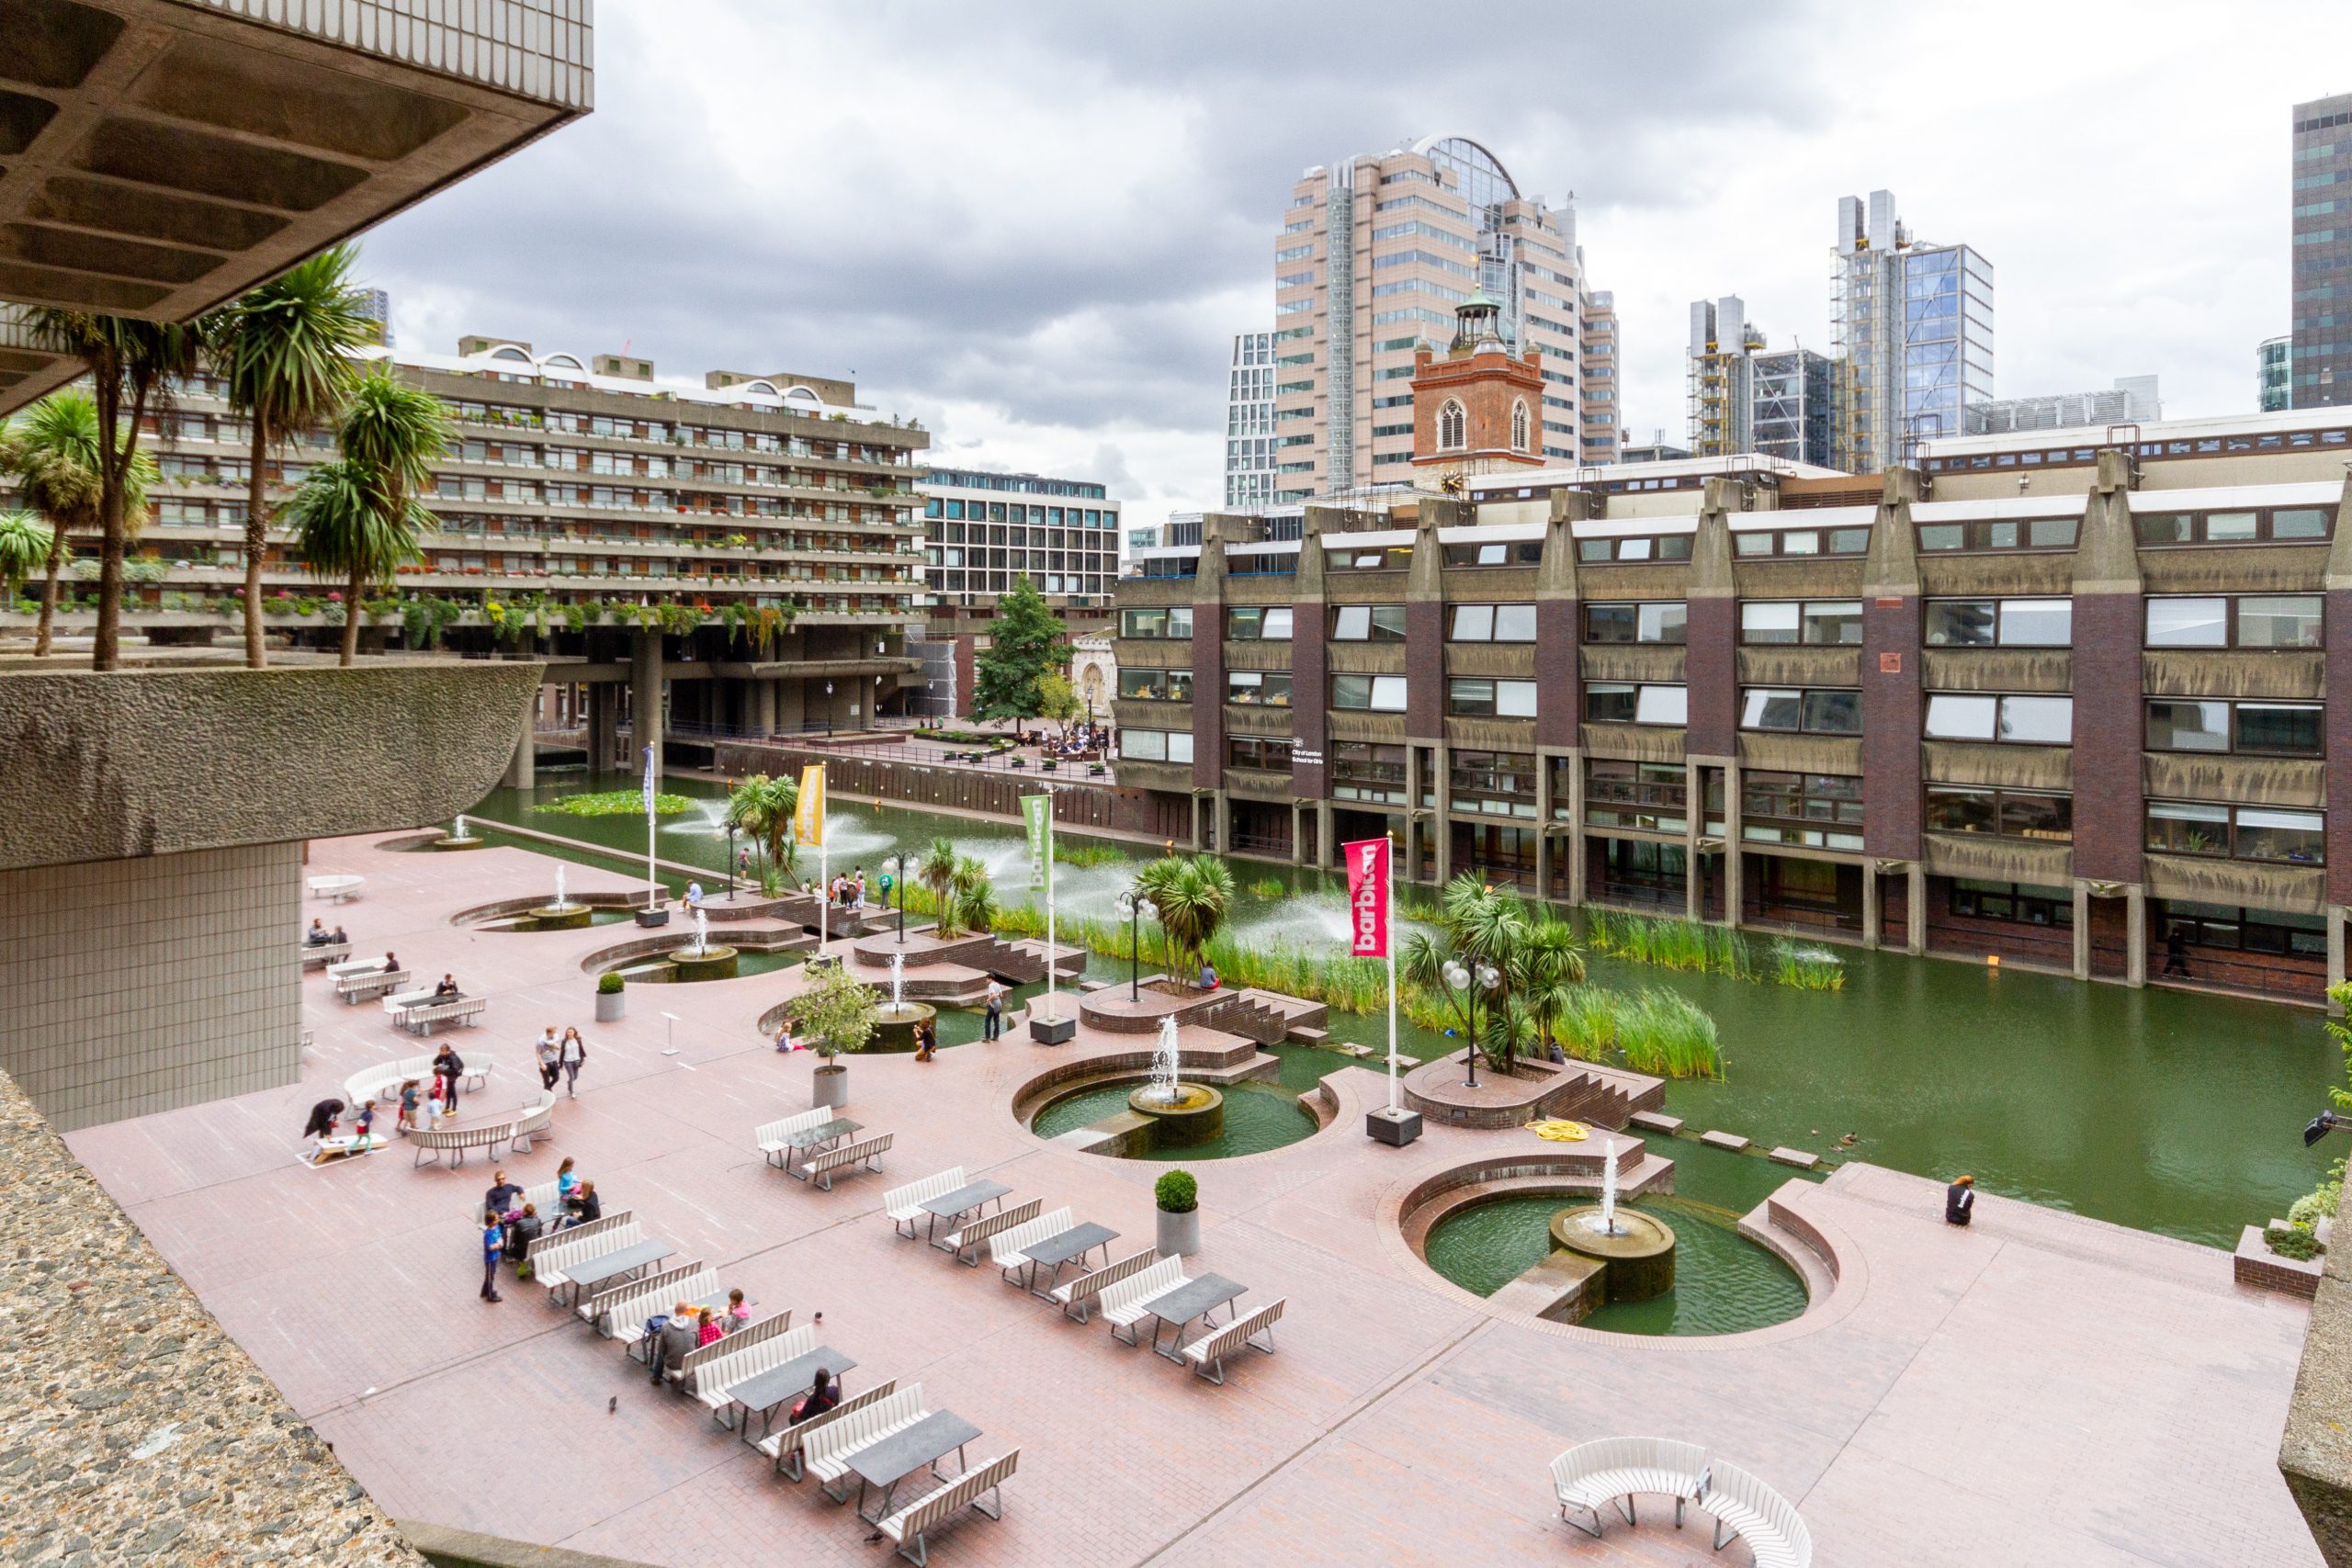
{"x": 1179, "y": 1234}
{"x": 610, "y": 1006}
{"x": 829, "y": 1088}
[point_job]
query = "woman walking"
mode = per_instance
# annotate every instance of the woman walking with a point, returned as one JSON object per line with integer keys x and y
{"x": 574, "y": 1056}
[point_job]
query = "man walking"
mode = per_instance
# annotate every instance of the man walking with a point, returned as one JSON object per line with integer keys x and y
{"x": 994, "y": 1026}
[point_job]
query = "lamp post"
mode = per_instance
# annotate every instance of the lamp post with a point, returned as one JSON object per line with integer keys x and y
{"x": 828, "y": 712}
{"x": 730, "y": 860}
{"x": 1135, "y": 909}
{"x": 1470, "y": 979}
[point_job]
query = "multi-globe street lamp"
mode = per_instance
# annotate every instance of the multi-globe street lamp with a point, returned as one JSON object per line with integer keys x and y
{"x": 1135, "y": 909}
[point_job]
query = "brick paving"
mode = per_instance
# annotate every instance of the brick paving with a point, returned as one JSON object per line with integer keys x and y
{"x": 2039, "y": 1389}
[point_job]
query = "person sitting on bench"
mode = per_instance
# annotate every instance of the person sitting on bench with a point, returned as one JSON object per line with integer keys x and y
{"x": 447, "y": 989}
{"x": 318, "y": 935}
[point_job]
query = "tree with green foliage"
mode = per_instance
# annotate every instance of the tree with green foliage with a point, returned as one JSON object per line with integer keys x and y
{"x": 359, "y": 518}
{"x": 52, "y": 451}
{"x": 285, "y": 351}
{"x": 937, "y": 873}
{"x": 1057, "y": 701}
{"x": 1027, "y": 643}
{"x": 1535, "y": 960}
{"x": 836, "y": 1012}
{"x": 974, "y": 895}
{"x": 764, "y": 808}
{"x": 132, "y": 367}
{"x": 1195, "y": 894}
{"x": 25, "y": 543}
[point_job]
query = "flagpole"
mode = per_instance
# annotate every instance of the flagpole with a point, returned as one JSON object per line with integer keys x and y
{"x": 652, "y": 880}
{"x": 1053, "y": 1009}
{"x": 1391, "y": 945}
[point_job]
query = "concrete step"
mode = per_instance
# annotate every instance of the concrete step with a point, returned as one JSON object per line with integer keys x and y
{"x": 1305, "y": 1037}
{"x": 1655, "y": 1122}
{"x": 1802, "y": 1159}
{"x": 1731, "y": 1141}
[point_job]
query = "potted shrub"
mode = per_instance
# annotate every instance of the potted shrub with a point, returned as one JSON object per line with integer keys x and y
{"x": 1179, "y": 1197}
{"x": 836, "y": 1013}
{"x": 612, "y": 1000}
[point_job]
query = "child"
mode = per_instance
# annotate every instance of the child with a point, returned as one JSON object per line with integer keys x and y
{"x": 363, "y": 1129}
{"x": 407, "y": 1120}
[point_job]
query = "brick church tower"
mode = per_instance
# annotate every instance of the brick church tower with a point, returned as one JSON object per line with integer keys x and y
{"x": 1479, "y": 408}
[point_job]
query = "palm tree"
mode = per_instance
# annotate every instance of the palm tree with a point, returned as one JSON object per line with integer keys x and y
{"x": 937, "y": 873}
{"x": 764, "y": 808}
{"x": 53, "y": 452}
{"x": 390, "y": 435}
{"x": 346, "y": 533}
{"x": 24, "y": 544}
{"x": 1535, "y": 960}
{"x": 133, "y": 366}
{"x": 1195, "y": 894}
{"x": 285, "y": 351}
{"x": 974, "y": 895}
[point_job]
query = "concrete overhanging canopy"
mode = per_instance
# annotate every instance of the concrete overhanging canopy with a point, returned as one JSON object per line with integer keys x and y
{"x": 158, "y": 157}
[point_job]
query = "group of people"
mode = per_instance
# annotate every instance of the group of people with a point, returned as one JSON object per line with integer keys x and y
{"x": 560, "y": 1058}
{"x": 847, "y": 891}
{"x": 422, "y": 1104}
{"x": 319, "y": 936}
{"x": 509, "y": 1224}
{"x": 686, "y": 1328}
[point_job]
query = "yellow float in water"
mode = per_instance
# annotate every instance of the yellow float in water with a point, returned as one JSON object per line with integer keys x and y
{"x": 1559, "y": 1130}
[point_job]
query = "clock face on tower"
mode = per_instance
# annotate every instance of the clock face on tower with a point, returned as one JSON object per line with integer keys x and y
{"x": 1451, "y": 483}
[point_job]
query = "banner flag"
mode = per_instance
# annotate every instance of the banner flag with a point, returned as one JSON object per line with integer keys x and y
{"x": 650, "y": 791}
{"x": 1037, "y": 813}
{"x": 809, "y": 817}
{"x": 1367, "y": 898}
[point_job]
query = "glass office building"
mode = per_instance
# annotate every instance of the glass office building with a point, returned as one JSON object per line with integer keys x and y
{"x": 2321, "y": 351}
{"x": 1914, "y": 324}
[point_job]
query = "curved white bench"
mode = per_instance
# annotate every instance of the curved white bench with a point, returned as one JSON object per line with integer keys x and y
{"x": 383, "y": 1081}
{"x": 1744, "y": 1506}
{"x": 907, "y": 1525}
{"x": 905, "y": 1204}
{"x": 1615, "y": 1469}
{"x": 1127, "y": 1302}
{"x": 1206, "y": 1355}
{"x": 537, "y": 1122}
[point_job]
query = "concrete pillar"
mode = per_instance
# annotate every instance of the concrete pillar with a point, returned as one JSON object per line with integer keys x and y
{"x": 645, "y": 678}
{"x": 2135, "y": 910}
{"x": 522, "y": 769}
{"x": 1871, "y": 911}
{"x": 603, "y": 724}
{"x": 1914, "y": 908}
{"x": 764, "y": 707}
{"x": 1545, "y": 839}
{"x": 1298, "y": 820}
{"x": 2082, "y": 930}
{"x": 1327, "y": 848}
{"x": 1734, "y": 866}
{"x": 1441, "y": 824}
{"x": 2336, "y": 916}
{"x": 1694, "y": 880}
{"x": 1576, "y": 847}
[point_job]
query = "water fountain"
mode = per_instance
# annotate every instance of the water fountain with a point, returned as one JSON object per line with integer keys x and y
{"x": 1631, "y": 1251}
{"x": 1179, "y": 1112}
{"x": 457, "y": 837}
{"x": 702, "y": 961}
{"x": 894, "y": 1021}
{"x": 563, "y": 915}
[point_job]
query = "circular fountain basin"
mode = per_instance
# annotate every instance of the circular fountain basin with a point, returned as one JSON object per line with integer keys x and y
{"x": 561, "y": 918}
{"x": 710, "y": 963}
{"x": 1639, "y": 1253}
{"x": 895, "y": 1024}
{"x": 1195, "y": 1116}
{"x": 451, "y": 841}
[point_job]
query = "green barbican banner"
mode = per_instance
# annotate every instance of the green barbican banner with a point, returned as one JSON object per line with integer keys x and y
{"x": 1037, "y": 812}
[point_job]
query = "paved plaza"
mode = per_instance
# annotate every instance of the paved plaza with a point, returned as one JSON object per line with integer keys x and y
{"x": 2038, "y": 1389}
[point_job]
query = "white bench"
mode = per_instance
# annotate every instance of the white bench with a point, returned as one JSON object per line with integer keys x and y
{"x": 1615, "y": 1469}
{"x": 905, "y": 1204}
{"x": 540, "y": 1246}
{"x": 1006, "y": 1247}
{"x": 349, "y": 1146}
{"x": 369, "y": 984}
{"x": 785, "y": 1446}
{"x": 399, "y": 1002}
{"x": 354, "y": 966}
{"x": 1206, "y": 1355}
{"x": 324, "y": 954}
{"x": 1127, "y": 1302}
{"x": 1082, "y": 1292}
{"x": 986, "y": 1227}
{"x": 1744, "y": 1506}
{"x": 847, "y": 1157}
{"x": 455, "y": 1141}
{"x": 770, "y": 1350}
{"x": 907, "y": 1525}
{"x": 620, "y": 1314}
{"x": 337, "y": 887}
{"x": 826, "y": 1452}
{"x": 577, "y": 1246}
{"x": 383, "y": 1081}
{"x": 542, "y": 1196}
{"x": 537, "y": 1122}
{"x": 771, "y": 1138}
{"x": 685, "y": 1374}
{"x": 421, "y": 1018}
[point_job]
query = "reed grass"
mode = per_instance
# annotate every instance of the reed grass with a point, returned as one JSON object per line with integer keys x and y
{"x": 1086, "y": 856}
{"x": 1807, "y": 968}
{"x": 1669, "y": 943}
{"x": 1270, "y": 887}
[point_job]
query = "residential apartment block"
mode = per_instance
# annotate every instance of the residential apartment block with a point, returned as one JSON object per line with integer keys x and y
{"x": 1249, "y": 421}
{"x": 583, "y": 500}
{"x": 1370, "y": 258}
{"x": 2320, "y": 224}
{"x": 1912, "y": 323}
{"x": 2078, "y": 700}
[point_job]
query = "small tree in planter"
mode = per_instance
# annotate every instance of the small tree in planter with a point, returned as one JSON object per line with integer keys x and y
{"x": 612, "y": 1000}
{"x": 837, "y": 1012}
{"x": 1179, "y": 1197}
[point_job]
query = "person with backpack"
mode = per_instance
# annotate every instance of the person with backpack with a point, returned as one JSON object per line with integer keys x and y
{"x": 677, "y": 1338}
{"x": 524, "y": 1229}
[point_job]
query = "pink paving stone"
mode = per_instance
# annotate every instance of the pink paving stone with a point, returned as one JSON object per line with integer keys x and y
{"x": 2038, "y": 1388}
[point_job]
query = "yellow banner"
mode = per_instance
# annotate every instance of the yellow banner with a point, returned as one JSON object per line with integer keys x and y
{"x": 809, "y": 817}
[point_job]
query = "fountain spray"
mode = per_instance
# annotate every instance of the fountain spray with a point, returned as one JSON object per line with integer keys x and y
{"x": 898, "y": 983}
{"x": 702, "y": 933}
{"x": 1164, "y": 1064}
{"x": 560, "y": 902}
{"x": 1606, "y": 1224}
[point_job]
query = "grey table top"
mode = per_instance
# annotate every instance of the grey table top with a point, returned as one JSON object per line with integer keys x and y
{"x": 773, "y": 1387}
{"x": 596, "y": 1271}
{"x": 899, "y": 1455}
{"x": 1190, "y": 1300}
{"x": 1057, "y": 1250}
{"x": 823, "y": 1131}
{"x": 947, "y": 1205}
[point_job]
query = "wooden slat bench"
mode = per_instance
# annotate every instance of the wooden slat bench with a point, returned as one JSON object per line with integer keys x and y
{"x": 909, "y": 1525}
{"x": 1206, "y": 1355}
{"x": 848, "y": 1157}
{"x": 367, "y": 986}
{"x": 770, "y": 1137}
{"x": 784, "y": 1447}
{"x": 420, "y": 1019}
{"x": 1081, "y": 1293}
{"x": 685, "y": 1374}
{"x": 905, "y": 1204}
{"x": 988, "y": 1225}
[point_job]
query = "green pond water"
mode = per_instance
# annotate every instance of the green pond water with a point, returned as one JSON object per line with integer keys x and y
{"x": 1258, "y": 1117}
{"x": 2164, "y": 1110}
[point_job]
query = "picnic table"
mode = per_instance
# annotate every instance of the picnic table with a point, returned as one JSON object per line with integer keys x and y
{"x": 401, "y": 1002}
{"x": 819, "y": 1139}
{"x": 1058, "y": 1251}
{"x": 586, "y": 1276}
{"x": 899, "y": 1455}
{"x": 1193, "y": 1299}
{"x": 769, "y": 1390}
{"x": 355, "y": 966}
{"x": 951, "y": 1206}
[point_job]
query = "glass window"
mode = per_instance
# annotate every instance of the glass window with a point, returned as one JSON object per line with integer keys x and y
{"x": 1662, "y": 705}
{"x": 1770, "y": 622}
{"x": 2037, "y": 623}
{"x": 1380, "y": 693}
{"x": 1962, "y": 622}
{"x": 1837, "y": 623}
{"x": 1515, "y": 699}
{"x": 1473, "y": 623}
{"x": 1833, "y": 713}
{"x": 2298, "y": 523}
{"x": 1607, "y": 702}
{"x": 1257, "y": 689}
{"x": 2188, "y": 623}
{"x": 1155, "y": 685}
{"x": 1954, "y": 716}
{"x": 1470, "y": 697}
{"x": 1655, "y": 621}
{"x": 2229, "y": 527}
{"x": 1368, "y": 623}
{"x": 2179, "y": 725}
{"x": 1953, "y": 810}
{"x": 2279, "y": 621}
{"x": 2181, "y": 828}
{"x": 1770, "y": 708}
{"x": 1180, "y": 746}
{"x": 2046, "y": 721}
{"x": 1269, "y": 624}
{"x": 1144, "y": 745}
{"x": 1514, "y": 623}
{"x": 2266, "y": 834}
{"x": 2280, "y": 730}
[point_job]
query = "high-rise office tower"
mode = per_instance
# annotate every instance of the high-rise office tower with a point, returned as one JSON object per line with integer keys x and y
{"x": 2321, "y": 353}
{"x": 1912, "y": 323}
{"x": 1744, "y": 398}
{"x": 2274, "y": 373}
{"x": 1715, "y": 376}
{"x": 1373, "y": 257}
{"x": 1249, "y": 421}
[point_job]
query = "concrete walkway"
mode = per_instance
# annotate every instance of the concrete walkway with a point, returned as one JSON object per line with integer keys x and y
{"x": 2039, "y": 1389}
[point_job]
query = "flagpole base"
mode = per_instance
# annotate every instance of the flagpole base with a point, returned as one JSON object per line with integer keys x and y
{"x": 653, "y": 917}
{"x": 1395, "y": 1128}
{"x": 1053, "y": 1031}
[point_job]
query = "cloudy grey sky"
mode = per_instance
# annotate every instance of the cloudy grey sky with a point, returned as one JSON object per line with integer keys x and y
{"x": 1036, "y": 225}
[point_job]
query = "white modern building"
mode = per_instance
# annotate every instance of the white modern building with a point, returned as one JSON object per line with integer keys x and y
{"x": 1249, "y": 421}
{"x": 1912, "y": 322}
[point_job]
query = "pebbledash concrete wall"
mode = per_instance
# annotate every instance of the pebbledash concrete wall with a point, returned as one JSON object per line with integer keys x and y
{"x": 132, "y": 1429}
{"x": 136, "y": 986}
{"x": 2315, "y": 1455}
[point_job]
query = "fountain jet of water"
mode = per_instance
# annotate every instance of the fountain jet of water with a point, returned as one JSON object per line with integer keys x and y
{"x": 560, "y": 902}
{"x": 1605, "y": 1222}
{"x": 1164, "y": 1065}
{"x": 702, "y": 933}
{"x": 898, "y": 983}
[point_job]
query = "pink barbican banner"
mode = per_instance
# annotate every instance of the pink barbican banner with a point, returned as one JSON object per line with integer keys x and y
{"x": 1367, "y": 898}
